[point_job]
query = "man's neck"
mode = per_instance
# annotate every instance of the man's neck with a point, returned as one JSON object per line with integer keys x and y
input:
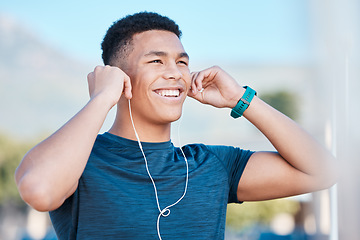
{"x": 146, "y": 131}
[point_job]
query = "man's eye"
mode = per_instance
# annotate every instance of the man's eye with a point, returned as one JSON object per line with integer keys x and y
{"x": 183, "y": 62}
{"x": 156, "y": 61}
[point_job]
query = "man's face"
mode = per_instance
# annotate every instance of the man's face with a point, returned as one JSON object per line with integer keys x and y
{"x": 160, "y": 76}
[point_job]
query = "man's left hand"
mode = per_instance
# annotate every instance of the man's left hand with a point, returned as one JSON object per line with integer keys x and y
{"x": 215, "y": 87}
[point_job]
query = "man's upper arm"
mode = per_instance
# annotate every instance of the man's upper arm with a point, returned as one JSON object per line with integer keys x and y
{"x": 268, "y": 176}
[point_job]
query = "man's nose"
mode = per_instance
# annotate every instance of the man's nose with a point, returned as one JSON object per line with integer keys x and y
{"x": 172, "y": 72}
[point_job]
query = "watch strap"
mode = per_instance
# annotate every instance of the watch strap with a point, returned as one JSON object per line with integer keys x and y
{"x": 243, "y": 103}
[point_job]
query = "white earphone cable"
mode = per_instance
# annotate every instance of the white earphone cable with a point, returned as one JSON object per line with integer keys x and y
{"x": 166, "y": 211}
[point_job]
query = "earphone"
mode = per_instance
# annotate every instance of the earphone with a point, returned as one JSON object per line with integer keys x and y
{"x": 165, "y": 211}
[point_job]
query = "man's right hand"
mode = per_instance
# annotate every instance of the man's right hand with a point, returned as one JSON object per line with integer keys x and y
{"x": 109, "y": 82}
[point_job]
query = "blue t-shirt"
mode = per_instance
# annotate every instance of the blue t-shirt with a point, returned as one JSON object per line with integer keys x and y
{"x": 115, "y": 198}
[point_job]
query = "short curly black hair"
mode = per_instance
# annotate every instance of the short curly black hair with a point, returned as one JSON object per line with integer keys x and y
{"x": 118, "y": 37}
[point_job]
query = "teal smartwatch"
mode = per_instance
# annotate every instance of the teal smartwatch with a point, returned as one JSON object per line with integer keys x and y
{"x": 243, "y": 103}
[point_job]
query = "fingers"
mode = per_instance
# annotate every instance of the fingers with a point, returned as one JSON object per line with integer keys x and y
{"x": 200, "y": 80}
{"x": 196, "y": 82}
{"x": 90, "y": 79}
{"x": 127, "y": 87}
{"x": 90, "y": 76}
{"x": 194, "y": 77}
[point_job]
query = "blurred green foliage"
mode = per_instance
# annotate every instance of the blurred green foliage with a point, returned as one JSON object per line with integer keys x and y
{"x": 284, "y": 101}
{"x": 240, "y": 216}
{"x": 11, "y": 153}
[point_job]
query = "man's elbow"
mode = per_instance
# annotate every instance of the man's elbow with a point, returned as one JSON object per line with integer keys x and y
{"x": 329, "y": 179}
{"x": 37, "y": 196}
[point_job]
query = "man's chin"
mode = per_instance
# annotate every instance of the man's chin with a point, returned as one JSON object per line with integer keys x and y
{"x": 172, "y": 117}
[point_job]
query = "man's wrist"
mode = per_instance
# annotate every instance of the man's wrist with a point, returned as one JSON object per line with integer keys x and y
{"x": 243, "y": 103}
{"x": 240, "y": 92}
{"x": 103, "y": 101}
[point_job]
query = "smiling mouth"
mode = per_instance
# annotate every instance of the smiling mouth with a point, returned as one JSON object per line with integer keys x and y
{"x": 168, "y": 92}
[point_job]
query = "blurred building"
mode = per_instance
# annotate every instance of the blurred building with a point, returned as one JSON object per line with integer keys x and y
{"x": 336, "y": 31}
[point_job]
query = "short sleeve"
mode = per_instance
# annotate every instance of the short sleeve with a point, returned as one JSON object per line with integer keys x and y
{"x": 64, "y": 219}
{"x": 234, "y": 161}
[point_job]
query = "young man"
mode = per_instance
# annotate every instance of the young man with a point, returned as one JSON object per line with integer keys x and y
{"x": 111, "y": 186}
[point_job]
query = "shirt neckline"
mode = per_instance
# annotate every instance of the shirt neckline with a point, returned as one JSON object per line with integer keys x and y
{"x": 132, "y": 143}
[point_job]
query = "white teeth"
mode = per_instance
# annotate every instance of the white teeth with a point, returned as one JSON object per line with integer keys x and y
{"x": 168, "y": 93}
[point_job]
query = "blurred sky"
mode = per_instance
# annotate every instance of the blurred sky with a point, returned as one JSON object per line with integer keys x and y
{"x": 226, "y": 31}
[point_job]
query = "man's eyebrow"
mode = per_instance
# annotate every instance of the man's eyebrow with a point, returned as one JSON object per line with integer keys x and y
{"x": 164, "y": 54}
{"x": 156, "y": 53}
{"x": 184, "y": 54}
